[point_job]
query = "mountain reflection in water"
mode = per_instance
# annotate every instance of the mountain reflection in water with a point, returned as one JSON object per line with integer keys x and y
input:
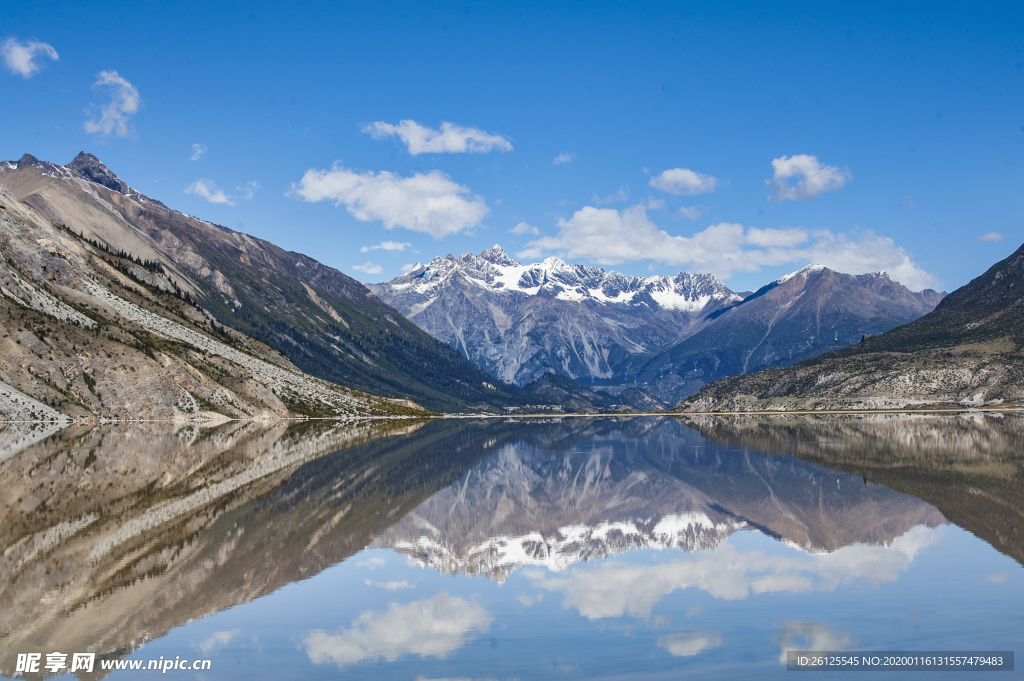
{"x": 113, "y": 538}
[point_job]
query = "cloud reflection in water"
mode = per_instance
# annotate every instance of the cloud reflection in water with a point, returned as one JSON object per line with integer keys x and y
{"x": 612, "y": 589}
{"x": 430, "y": 628}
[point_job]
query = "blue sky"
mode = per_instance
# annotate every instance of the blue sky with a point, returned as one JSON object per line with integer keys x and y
{"x": 904, "y": 124}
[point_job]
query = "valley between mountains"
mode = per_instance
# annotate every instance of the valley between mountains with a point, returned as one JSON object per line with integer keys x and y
{"x": 115, "y": 306}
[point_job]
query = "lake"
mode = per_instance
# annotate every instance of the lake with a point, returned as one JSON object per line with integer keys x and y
{"x": 646, "y": 547}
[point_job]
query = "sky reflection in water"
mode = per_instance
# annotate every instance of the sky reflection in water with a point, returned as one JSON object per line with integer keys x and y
{"x": 612, "y": 549}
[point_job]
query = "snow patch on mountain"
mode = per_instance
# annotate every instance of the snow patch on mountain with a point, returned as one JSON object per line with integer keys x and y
{"x": 494, "y": 271}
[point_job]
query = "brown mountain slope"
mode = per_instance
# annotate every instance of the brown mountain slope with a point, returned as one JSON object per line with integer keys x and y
{"x": 327, "y": 323}
{"x": 968, "y": 351}
{"x": 93, "y": 334}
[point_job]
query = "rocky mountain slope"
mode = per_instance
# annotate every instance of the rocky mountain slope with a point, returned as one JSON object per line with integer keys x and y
{"x": 94, "y": 334}
{"x": 326, "y": 323}
{"x": 519, "y": 321}
{"x": 968, "y": 351}
{"x": 800, "y": 315}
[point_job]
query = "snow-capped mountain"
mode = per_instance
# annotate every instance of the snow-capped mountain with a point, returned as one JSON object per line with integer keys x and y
{"x": 520, "y": 321}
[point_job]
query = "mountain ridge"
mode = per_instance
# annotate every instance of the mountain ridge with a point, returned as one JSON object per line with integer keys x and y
{"x": 668, "y": 335}
{"x": 799, "y": 315}
{"x": 328, "y": 324}
{"x": 968, "y": 351}
{"x": 520, "y": 321}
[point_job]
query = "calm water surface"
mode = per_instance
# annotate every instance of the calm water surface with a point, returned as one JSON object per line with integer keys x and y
{"x": 575, "y": 548}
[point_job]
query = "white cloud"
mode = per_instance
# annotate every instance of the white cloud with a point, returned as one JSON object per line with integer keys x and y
{"x": 680, "y": 181}
{"x": 430, "y": 202}
{"x": 116, "y": 116}
{"x": 564, "y": 157}
{"x": 450, "y": 139}
{"x": 811, "y": 636}
{"x": 197, "y": 152}
{"x": 693, "y": 212}
{"x": 369, "y": 268}
{"x": 609, "y": 236}
{"x": 814, "y": 178}
{"x": 690, "y": 643}
{"x": 208, "y": 190}
{"x": 20, "y": 58}
{"x": 409, "y": 267}
{"x": 994, "y": 237}
{"x": 868, "y": 253}
{"x": 524, "y": 228}
{"x": 431, "y": 628}
{"x": 614, "y": 589}
{"x": 391, "y": 246}
{"x": 249, "y": 189}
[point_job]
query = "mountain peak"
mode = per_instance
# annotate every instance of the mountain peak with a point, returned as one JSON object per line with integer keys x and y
{"x": 496, "y": 254}
{"x": 803, "y": 272}
{"x": 91, "y": 168}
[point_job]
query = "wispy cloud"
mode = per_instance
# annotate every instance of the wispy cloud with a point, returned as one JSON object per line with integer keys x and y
{"x": 994, "y": 237}
{"x": 23, "y": 59}
{"x": 690, "y": 643}
{"x": 811, "y": 636}
{"x": 609, "y": 236}
{"x": 693, "y": 212}
{"x": 198, "y": 150}
{"x": 621, "y": 195}
{"x": 435, "y": 627}
{"x": 249, "y": 189}
{"x": 450, "y": 139}
{"x": 813, "y": 178}
{"x": 430, "y": 202}
{"x": 564, "y": 157}
{"x": 217, "y": 639}
{"x": 369, "y": 268}
{"x": 683, "y": 181}
{"x": 391, "y": 246}
{"x": 115, "y": 116}
{"x": 372, "y": 563}
{"x": 209, "y": 190}
{"x": 409, "y": 267}
{"x": 524, "y": 228}
{"x": 391, "y": 586}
